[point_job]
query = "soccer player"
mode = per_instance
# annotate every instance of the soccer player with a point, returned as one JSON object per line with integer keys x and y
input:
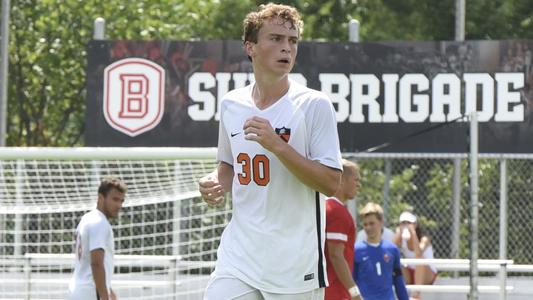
{"x": 340, "y": 236}
{"x": 278, "y": 147}
{"x": 377, "y": 261}
{"x": 95, "y": 245}
{"x": 386, "y": 234}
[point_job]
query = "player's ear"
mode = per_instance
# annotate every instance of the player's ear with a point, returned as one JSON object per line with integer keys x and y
{"x": 249, "y": 48}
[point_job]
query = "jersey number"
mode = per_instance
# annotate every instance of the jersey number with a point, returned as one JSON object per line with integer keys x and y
{"x": 378, "y": 268}
{"x": 257, "y": 168}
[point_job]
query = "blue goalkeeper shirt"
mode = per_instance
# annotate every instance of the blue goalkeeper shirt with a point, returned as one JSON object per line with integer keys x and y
{"x": 377, "y": 269}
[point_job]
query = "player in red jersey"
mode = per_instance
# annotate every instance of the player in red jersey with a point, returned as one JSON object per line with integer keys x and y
{"x": 340, "y": 237}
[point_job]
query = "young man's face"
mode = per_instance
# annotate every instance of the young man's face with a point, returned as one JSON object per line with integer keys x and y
{"x": 372, "y": 226}
{"x": 112, "y": 202}
{"x": 276, "y": 47}
{"x": 351, "y": 182}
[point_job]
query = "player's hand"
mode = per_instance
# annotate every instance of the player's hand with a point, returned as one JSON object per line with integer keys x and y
{"x": 259, "y": 130}
{"x": 113, "y": 295}
{"x": 211, "y": 189}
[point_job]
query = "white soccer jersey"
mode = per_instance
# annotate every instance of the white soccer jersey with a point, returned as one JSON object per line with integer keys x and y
{"x": 275, "y": 239}
{"x": 93, "y": 232}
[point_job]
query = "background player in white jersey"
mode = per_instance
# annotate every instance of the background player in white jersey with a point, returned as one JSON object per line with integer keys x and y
{"x": 278, "y": 146}
{"x": 340, "y": 236}
{"x": 95, "y": 245}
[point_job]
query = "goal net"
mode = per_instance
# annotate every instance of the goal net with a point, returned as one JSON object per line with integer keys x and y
{"x": 165, "y": 236}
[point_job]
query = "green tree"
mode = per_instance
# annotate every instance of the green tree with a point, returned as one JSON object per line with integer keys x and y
{"x": 47, "y": 55}
{"x": 48, "y": 38}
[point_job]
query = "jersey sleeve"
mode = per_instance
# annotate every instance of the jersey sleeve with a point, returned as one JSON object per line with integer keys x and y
{"x": 397, "y": 278}
{"x": 336, "y": 225}
{"x": 224, "y": 147}
{"x": 98, "y": 234}
{"x": 356, "y": 260}
{"x": 324, "y": 146}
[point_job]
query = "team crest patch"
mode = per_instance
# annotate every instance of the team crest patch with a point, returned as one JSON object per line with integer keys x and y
{"x": 386, "y": 257}
{"x": 284, "y": 133}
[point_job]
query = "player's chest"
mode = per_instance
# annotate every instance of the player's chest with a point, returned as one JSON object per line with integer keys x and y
{"x": 284, "y": 121}
{"x": 372, "y": 257}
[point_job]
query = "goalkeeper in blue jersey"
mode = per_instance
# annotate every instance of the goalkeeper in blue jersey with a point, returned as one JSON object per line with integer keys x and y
{"x": 377, "y": 262}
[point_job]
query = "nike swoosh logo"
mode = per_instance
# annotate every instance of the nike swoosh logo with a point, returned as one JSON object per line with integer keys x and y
{"x": 234, "y": 134}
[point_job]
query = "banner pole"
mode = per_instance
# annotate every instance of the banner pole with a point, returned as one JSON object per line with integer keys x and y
{"x": 353, "y": 27}
{"x": 99, "y": 29}
{"x": 473, "y": 207}
{"x": 4, "y": 65}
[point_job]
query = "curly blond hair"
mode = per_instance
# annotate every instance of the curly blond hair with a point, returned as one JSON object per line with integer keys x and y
{"x": 255, "y": 19}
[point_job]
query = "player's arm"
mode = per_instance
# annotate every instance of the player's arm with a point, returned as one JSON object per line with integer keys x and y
{"x": 355, "y": 276}
{"x": 340, "y": 265}
{"x": 113, "y": 295}
{"x": 98, "y": 270}
{"x": 315, "y": 175}
{"x": 214, "y": 185}
{"x": 399, "y": 285}
{"x": 312, "y": 173}
{"x": 397, "y": 278}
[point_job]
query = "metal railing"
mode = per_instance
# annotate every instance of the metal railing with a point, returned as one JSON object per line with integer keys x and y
{"x": 33, "y": 263}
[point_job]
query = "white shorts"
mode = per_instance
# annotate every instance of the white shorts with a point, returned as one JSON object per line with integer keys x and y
{"x": 224, "y": 286}
{"x": 86, "y": 292}
{"x": 82, "y": 294}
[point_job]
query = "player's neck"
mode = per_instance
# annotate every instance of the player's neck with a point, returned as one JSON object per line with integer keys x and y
{"x": 100, "y": 209}
{"x": 374, "y": 240}
{"x": 340, "y": 197}
{"x": 268, "y": 92}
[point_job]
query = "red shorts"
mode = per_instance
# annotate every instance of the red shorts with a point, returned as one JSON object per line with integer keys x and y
{"x": 412, "y": 275}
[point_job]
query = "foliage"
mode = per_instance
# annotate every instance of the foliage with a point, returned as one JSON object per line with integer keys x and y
{"x": 373, "y": 174}
{"x": 47, "y": 55}
{"x": 48, "y": 39}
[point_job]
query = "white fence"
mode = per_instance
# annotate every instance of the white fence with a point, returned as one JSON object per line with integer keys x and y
{"x": 28, "y": 275}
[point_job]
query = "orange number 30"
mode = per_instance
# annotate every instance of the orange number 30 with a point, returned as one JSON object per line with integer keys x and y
{"x": 257, "y": 168}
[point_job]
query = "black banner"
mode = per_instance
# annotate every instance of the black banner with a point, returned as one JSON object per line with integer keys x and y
{"x": 398, "y": 97}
